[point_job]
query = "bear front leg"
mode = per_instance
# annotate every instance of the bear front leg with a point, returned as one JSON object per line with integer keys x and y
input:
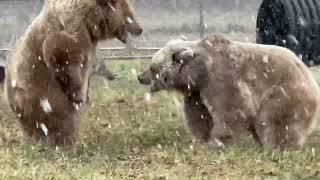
{"x": 220, "y": 133}
{"x": 197, "y": 117}
{"x": 63, "y": 131}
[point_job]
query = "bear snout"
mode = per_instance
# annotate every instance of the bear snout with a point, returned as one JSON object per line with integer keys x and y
{"x": 144, "y": 79}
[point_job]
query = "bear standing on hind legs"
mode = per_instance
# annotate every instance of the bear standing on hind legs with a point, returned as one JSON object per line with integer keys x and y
{"x": 48, "y": 73}
{"x": 243, "y": 87}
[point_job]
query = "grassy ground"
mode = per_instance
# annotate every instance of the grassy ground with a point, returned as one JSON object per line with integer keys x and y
{"x": 125, "y": 137}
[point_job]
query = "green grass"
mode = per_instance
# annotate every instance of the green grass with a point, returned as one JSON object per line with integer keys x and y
{"x": 125, "y": 137}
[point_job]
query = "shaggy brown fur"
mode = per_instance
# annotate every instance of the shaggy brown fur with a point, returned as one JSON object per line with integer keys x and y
{"x": 47, "y": 77}
{"x": 261, "y": 89}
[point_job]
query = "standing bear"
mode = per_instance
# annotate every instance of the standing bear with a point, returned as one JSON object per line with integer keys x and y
{"x": 48, "y": 73}
{"x": 232, "y": 87}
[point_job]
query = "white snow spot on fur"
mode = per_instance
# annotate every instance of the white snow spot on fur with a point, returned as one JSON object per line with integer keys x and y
{"x": 44, "y": 129}
{"x": 45, "y": 105}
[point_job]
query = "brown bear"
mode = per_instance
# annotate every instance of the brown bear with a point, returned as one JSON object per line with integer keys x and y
{"x": 47, "y": 76}
{"x": 261, "y": 89}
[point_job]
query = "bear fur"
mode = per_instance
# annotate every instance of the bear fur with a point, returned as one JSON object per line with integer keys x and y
{"x": 48, "y": 73}
{"x": 261, "y": 89}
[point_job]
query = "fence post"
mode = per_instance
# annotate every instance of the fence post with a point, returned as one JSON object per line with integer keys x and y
{"x": 202, "y": 24}
{"x": 129, "y": 45}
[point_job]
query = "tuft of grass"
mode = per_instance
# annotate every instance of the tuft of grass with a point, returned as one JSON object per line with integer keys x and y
{"x": 123, "y": 136}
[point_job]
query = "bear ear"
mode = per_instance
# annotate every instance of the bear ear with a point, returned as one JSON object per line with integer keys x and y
{"x": 183, "y": 56}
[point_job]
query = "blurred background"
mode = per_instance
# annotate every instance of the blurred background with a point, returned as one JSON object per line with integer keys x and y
{"x": 161, "y": 20}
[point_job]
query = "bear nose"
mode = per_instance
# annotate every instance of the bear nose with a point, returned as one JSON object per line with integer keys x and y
{"x": 139, "y": 31}
{"x": 143, "y": 80}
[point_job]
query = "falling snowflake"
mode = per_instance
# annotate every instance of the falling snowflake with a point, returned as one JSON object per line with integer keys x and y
{"x": 176, "y": 102}
{"x": 33, "y": 66}
{"x": 13, "y": 83}
{"x": 265, "y": 59}
{"x": 147, "y": 97}
{"x": 67, "y": 62}
{"x": 302, "y": 21}
{"x": 208, "y": 43}
{"x": 134, "y": 71}
{"x": 19, "y": 115}
{"x": 76, "y": 106}
{"x": 39, "y": 58}
{"x": 159, "y": 146}
{"x": 219, "y": 143}
{"x": 95, "y": 27}
{"x": 129, "y": 20}
{"x": 178, "y": 134}
{"x": 45, "y": 105}
{"x": 191, "y": 147}
{"x": 157, "y": 76}
{"x": 265, "y": 75}
{"x": 293, "y": 39}
{"x": 287, "y": 127}
{"x": 81, "y": 65}
{"x": 313, "y": 152}
{"x": 44, "y": 129}
{"x": 113, "y": 9}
